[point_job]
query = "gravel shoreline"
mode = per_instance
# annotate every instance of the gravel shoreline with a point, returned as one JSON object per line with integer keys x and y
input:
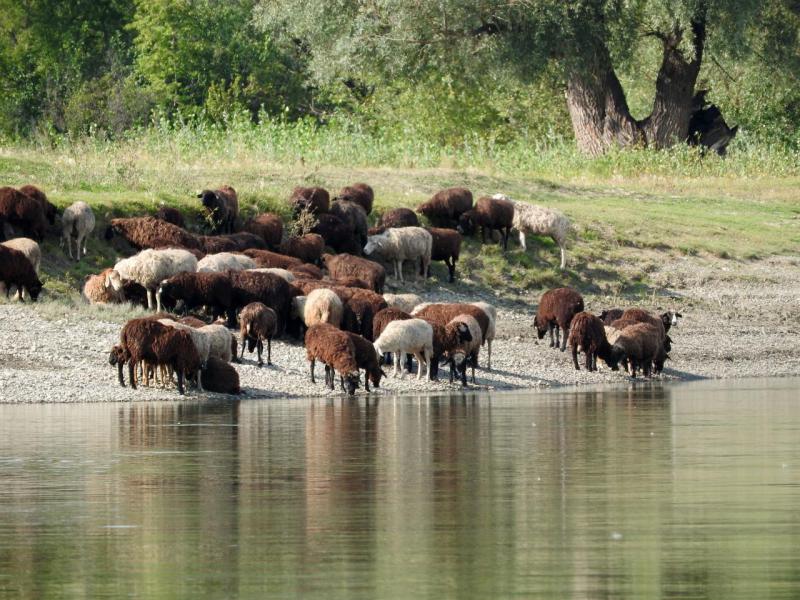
{"x": 740, "y": 320}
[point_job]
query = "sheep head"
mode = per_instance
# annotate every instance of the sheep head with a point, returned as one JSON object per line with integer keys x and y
{"x": 541, "y": 328}
{"x": 113, "y": 280}
{"x": 377, "y": 244}
{"x": 352, "y": 381}
{"x": 466, "y": 223}
{"x": 34, "y": 290}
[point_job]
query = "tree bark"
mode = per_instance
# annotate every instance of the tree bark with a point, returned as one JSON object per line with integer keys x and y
{"x": 599, "y": 110}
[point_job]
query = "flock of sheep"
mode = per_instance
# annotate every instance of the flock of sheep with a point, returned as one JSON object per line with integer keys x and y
{"x": 325, "y": 286}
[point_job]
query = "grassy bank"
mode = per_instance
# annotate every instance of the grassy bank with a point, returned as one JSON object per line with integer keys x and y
{"x": 630, "y": 210}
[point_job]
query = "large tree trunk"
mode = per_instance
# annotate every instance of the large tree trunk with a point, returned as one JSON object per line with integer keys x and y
{"x": 599, "y": 111}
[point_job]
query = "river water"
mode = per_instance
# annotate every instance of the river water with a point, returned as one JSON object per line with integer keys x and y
{"x": 685, "y": 490}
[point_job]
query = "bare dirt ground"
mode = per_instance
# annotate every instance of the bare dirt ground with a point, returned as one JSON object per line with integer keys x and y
{"x": 740, "y": 319}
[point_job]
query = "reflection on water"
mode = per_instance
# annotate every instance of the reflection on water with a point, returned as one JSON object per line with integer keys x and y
{"x": 682, "y": 491}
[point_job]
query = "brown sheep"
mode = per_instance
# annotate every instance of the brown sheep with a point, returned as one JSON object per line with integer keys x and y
{"x": 446, "y": 247}
{"x": 347, "y": 265}
{"x": 610, "y": 315}
{"x": 336, "y": 351}
{"x": 16, "y": 270}
{"x": 489, "y": 214}
{"x": 360, "y": 193}
{"x": 143, "y": 232}
{"x": 267, "y": 259}
{"x": 147, "y": 340}
{"x": 257, "y": 322}
{"x": 355, "y": 217}
{"x": 316, "y": 200}
{"x": 50, "y": 211}
{"x": 220, "y": 377}
{"x": 557, "y": 307}
{"x": 587, "y": 335}
{"x": 198, "y": 289}
{"x": 267, "y": 226}
{"x": 367, "y": 359}
{"x": 641, "y": 345}
{"x": 307, "y": 248}
{"x": 22, "y": 212}
{"x": 171, "y": 215}
{"x": 306, "y": 271}
{"x": 231, "y": 242}
{"x": 222, "y": 208}
{"x": 336, "y": 232}
{"x": 446, "y": 207}
{"x": 447, "y": 339}
{"x": 104, "y": 288}
{"x": 272, "y": 290}
{"x": 398, "y": 217}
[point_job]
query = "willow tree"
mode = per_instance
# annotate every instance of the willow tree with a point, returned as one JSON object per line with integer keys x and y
{"x": 587, "y": 39}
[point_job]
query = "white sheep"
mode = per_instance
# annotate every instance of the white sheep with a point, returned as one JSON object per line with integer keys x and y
{"x": 404, "y": 302}
{"x": 221, "y": 341}
{"x": 201, "y": 340}
{"x": 225, "y": 261}
{"x": 287, "y": 275}
{"x": 150, "y": 267}
{"x": 31, "y": 251}
{"x": 539, "y": 220}
{"x": 412, "y": 336}
{"x": 468, "y": 350}
{"x": 77, "y": 221}
{"x": 400, "y": 244}
{"x": 491, "y": 330}
{"x": 320, "y": 306}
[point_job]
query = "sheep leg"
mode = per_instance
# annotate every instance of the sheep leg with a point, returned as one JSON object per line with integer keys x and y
{"x": 259, "y": 350}
{"x": 181, "y": 390}
{"x": 473, "y": 361}
{"x": 420, "y": 362}
{"x": 199, "y": 382}
{"x": 366, "y": 381}
{"x": 564, "y": 330}
{"x": 397, "y": 360}
{"x": 563, "y": 257}
{"x": 244, "y": 339}
{"x": 120, "y": 376}
{"x": 398, "y": 269}
{"x": 522, "y": 240}
{"x": 69, "y": 245}
{"x": 575, "y": 358}
{"x": 132, "y": 373}
{"x": 550, "y": 332}
{"x": 311, "y": 364}
{"x": 78, "y": 249}
{"x": 589, "y": 360}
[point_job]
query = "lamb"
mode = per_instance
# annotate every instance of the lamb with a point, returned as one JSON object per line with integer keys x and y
{"x": 360, "y": 193}
{"x": 446, "y": 247}
{"x": 398, "y": 245}
{"x": 539, "y": 220}
{"x": 466, "y": 351}
{"x": 225, "y": 261}
{"x": 669, "y": 319}
{"x": 257, "y": 323}
{"x": 444, "y": 313}
{"x": 222, "y": 208}
{"x": 307, "y": 248}
{"x": 150, "y": 267}
{"x": 347, "y": 265}
{"x": 412, "y": 336}
{"x": 267, "y": 226}
{"x": 201, "y": 341}
{"x": 287, "y": 275}
{"x": 587, "y": 335}
{"x": 220, "y": 377}
{"x": 337, "y": 233}
{"x": 355, "y": 217}
{"x": 50, "y": 211}
{"x": 398, "y": 217}
{"x": 197, "y": 289}
{"x": 267, "y": 288}
{"x": 313, "y": 199}
{"x": 640, "y": 345}
{"x": 335, "y": 349}
{"x": 557, "y": 307}
{"x": 17, "y": 270}
{"x": 171, "y": 215}
{"x": 403, "y": 302}
{"x": 320, "y": 306}
{"x": 632, "y": 316}
{"x": 445, "y": 208}
{"x": 265, "y": 258}
{"x": 77, "y": 222}
{"x": 143, "y": 232}
{"x": 488, "y": 214}
{"x": 147, "y": 340}
{"x": 104, "y": 288}
{"x": 306, "y": 271}
{"x": 23, "y": 212}
{"x": 367, "y": 359}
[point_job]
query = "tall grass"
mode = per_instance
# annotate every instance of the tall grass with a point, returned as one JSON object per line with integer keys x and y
{"x": 174, "y": 152}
